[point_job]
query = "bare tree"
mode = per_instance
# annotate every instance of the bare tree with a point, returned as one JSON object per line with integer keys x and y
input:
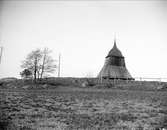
{"x": 48, "y": 63}
{"x": 40, "y": 63}
{"x": 32, "y": 62}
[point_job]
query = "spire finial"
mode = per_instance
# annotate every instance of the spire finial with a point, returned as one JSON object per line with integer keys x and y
{"x": 115, "y": 41}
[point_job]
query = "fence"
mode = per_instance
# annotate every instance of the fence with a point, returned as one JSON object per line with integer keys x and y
{"x": 150, "y": 79}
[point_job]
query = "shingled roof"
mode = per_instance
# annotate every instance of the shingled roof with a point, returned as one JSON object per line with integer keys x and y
{"x": 114, "y": 51}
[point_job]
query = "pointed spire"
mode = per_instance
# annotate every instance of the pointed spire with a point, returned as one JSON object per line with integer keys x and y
{"x": 115, "y": 45}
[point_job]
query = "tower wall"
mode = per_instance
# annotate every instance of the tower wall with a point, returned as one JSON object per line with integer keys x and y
{"x": 117, "y": 61}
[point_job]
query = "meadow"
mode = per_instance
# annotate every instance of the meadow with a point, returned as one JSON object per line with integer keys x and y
{"x": 71, "y": 108}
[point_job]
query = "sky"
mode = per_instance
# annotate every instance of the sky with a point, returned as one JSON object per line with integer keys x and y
{"x": 83, "y": 33}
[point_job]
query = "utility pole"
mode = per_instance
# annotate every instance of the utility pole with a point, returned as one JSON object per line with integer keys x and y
{"x": 1, "y": 54}
{"x": 59, "y": 65}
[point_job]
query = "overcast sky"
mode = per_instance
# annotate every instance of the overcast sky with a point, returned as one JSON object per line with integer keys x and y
{"x": 83, "y": 32}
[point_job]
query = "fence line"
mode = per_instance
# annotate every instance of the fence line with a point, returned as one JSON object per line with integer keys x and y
{"x": 137, "y": 79}
{"x": 150, "y": 79}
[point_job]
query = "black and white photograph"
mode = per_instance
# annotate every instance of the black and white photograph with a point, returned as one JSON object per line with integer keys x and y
{"x": 83, "y": 64}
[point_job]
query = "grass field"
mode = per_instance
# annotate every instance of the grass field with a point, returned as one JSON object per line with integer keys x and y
{"x": 69, "y": 108}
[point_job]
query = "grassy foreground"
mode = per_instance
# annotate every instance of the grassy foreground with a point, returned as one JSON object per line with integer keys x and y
{"x": 69, "y": 108}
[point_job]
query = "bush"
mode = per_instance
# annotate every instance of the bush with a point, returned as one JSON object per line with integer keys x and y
{"x": 91, "y": 82}
{"x": 105, "y": 85}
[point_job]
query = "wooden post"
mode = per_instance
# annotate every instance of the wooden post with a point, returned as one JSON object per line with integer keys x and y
{"x": 59, "y": 66}
{"x": 140, "y": 81}
{"x": 1, "y": 54}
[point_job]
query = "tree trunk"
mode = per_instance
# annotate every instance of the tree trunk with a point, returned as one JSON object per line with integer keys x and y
{"x": 43, "y": 66}
{"x": 38, "y": 74}
{"x": 35, "y": 70}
